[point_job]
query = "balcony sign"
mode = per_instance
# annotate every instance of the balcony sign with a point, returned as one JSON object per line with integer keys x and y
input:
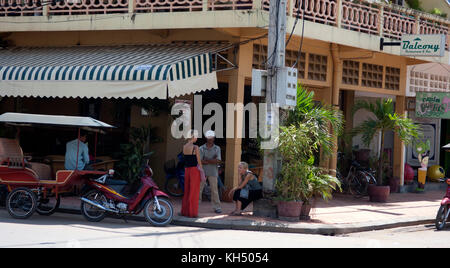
{"x": 423, "y": 45}
{"x": 433, "y": 105}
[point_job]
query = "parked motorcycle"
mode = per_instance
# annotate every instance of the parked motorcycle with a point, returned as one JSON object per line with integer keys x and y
{"x": 102, "y": 198}
{"x": 444, "y": 209}
{"x": 175, "y": 176}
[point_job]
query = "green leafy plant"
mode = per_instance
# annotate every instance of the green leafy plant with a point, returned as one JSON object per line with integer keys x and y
{"x": 415, "y": 4}
{"x": 438, "y": 12}
{"x": 307, "y": 131}
{"x": 386, "y": 120}
{"x": 132, "y": 154}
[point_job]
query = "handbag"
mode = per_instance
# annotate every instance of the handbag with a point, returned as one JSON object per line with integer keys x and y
{"x": 244, "y": 192}
{"x": 202, "y": 173}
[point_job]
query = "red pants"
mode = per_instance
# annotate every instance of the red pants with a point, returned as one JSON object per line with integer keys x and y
{"x": 189, "y": 206}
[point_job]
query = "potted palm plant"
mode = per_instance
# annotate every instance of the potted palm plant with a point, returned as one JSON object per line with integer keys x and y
{"x": 308, "y": 132}
{"x": 385, "y": 120}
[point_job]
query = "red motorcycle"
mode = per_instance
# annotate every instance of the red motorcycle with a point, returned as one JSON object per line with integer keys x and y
{"x": 102, "y": 198}
{"x": 444, "y": 210}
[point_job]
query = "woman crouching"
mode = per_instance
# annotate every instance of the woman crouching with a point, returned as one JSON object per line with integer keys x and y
{"x": 248, "y": 190}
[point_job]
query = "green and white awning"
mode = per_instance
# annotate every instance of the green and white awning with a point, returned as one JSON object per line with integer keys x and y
{"x": 108, "y": 72}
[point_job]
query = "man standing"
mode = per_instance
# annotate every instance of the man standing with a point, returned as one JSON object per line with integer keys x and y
{"x": 77, "y": 146}
{"x": 210, "y": 156}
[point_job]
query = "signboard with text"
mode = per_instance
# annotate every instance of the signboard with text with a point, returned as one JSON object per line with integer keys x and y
{"x": 424, "y": 45}
{"x": 433, "y": 105}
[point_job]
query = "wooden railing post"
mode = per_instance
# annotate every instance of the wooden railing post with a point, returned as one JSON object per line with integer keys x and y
{"x": 257, "y": 4}
{"x": 131, "y": 6}
{"x": 205, "y": 5}
{"x": 45, "y": 10}
{"x": 417, "y": 25}
{"x": 339, "y": 13}
{"x": 290, "y": 4}
{"x": 381, "y": 21}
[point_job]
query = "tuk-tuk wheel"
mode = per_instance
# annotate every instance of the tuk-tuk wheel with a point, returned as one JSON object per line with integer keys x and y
{"x": 21, "y": 203}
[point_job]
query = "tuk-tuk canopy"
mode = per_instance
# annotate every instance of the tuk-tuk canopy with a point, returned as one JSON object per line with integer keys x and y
{"x": 57, "y": 120}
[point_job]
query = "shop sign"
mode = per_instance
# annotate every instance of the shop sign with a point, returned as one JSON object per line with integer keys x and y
{"x": 432, "y": 45}
{"x": 433, "y": 104}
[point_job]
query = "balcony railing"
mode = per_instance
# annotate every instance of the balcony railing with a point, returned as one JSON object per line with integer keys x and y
{"x": 388, "y": 21}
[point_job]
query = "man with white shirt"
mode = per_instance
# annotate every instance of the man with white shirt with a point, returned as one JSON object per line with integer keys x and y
{"x": 210, "y": 157}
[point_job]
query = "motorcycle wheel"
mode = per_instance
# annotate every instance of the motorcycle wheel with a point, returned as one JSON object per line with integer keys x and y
{"x": 173, "y": 187}
{"x": 160, "y": 217}
{"x": 90, "y": 212}
{"x": 47, "y": 207}
{"x": 441, "y": 220}
{"x": 21, "y": 203}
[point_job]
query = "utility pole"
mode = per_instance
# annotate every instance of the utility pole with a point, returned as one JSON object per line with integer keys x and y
{"x": 275, "y": 61}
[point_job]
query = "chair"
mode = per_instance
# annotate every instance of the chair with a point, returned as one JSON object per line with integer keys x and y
{"x": 11, "y": 154}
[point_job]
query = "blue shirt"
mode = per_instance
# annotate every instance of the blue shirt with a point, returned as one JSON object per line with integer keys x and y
{"x": 71, "y": 155}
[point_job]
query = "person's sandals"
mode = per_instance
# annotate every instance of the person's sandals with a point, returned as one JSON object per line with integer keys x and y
{"x": 234, "y": 213}
{"x": 218, "y": 211}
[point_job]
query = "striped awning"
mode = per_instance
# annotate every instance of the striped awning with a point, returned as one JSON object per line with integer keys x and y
{"x": 112, "y": 72}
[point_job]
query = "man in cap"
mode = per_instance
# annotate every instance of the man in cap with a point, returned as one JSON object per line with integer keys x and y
{"x": 210, "y": 157}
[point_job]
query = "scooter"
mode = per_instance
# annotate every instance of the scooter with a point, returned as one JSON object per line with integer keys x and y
{"x": 175, "y": 176}
{"x": 444, "y": 210}
{"x": 102, "y": 199}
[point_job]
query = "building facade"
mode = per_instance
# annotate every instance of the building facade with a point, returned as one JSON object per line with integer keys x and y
{"x": 340, "y": 58}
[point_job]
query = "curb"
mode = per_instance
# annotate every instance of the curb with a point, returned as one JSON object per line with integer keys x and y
{"x": 300, "y": 228}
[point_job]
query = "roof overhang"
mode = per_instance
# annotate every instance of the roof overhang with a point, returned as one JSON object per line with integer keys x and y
{"x": 151, "y": 71}
{"x": 53, "y": 120}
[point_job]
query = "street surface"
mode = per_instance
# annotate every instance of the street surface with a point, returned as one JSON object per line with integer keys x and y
{"x": 65, "y": 230}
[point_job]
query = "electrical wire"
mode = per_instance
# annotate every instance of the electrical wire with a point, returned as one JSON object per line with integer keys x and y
{"x": 293, "y": 28}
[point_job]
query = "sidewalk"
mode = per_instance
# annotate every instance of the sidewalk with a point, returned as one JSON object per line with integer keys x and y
{"x": 342, "y": 214}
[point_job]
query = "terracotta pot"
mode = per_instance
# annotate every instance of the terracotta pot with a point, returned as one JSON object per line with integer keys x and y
{"x": 378, "y": 193}
{"x": 289, "y": 209}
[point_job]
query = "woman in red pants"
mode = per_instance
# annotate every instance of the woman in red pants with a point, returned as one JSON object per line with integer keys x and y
{"x": 189, "y": 207}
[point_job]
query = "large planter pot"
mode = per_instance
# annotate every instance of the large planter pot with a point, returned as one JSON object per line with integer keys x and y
{"x": 290, "y": 209}
{"x": 378, "y": 193}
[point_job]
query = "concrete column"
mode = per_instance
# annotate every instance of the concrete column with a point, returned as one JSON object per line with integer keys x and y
{"x": 399, "y": 148}
{"x": 236, "y": 82}
{"x": 337, "y": 77}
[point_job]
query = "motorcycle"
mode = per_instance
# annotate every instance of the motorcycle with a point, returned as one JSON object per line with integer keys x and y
{"x": 102, "y": 198}
{"x": 444, "y": 209}
{"x": 175, "y": 176}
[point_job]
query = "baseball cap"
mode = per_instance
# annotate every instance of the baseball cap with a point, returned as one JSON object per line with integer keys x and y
{"x": 210, "y": 134}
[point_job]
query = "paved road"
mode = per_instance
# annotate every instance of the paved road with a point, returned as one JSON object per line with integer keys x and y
{"x": 64, "y": 230}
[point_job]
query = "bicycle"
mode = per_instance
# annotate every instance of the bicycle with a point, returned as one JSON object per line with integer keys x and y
{"x": 357, "y": 180}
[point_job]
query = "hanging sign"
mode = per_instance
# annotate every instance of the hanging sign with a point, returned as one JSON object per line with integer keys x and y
{"x": 424, "y": 45}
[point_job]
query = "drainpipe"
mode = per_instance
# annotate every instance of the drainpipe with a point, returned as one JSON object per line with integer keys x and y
{"x": 336, "y": 80}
